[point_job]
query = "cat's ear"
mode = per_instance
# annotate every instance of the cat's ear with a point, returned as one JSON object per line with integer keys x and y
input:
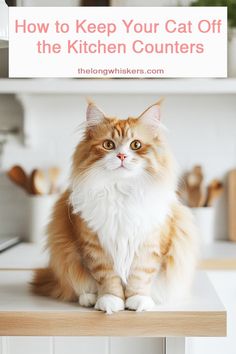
{"x": 151, "y": 116}
{"x": 94, "y": 115}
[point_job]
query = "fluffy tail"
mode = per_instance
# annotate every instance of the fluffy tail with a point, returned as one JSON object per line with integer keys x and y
{"x": 45, "y": 283}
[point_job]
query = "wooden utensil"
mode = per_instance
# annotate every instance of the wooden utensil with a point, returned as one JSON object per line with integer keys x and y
{"x": 232, "y": 204}
{"x": 18, "y": 176}
{"x": 194, "y": 187}
{"x": 54, "y": 173}
{"x": 214, "y": 190}
{"x": 38, "y": 184}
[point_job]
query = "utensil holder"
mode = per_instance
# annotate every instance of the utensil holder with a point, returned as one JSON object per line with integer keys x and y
{"x": 204, "y": 219}
{"x": 39, "y": 211}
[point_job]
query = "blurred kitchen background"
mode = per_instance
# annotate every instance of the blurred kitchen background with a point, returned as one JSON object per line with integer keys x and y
{"x": 201, "y": 130}
{"x": 39, "y": 120}
{"x": 38, "y": 131}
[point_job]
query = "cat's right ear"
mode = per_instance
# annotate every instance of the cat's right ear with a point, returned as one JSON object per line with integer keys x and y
{"x": 94, "y": 115}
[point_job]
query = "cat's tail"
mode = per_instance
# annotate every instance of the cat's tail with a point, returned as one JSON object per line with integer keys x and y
{"x": 45, "y": 283}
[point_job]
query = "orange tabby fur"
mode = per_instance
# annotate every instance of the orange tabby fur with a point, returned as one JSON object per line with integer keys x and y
{"x": 80, "y": 265}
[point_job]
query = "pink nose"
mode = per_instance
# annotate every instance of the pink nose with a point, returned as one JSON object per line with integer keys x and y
{"x": 121, "y": 156}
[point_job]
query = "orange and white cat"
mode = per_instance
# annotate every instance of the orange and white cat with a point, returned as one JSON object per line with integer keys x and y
{"x": 119, "y": 238}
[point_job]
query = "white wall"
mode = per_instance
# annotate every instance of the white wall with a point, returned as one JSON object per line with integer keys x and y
{"x": 201, "y": 130}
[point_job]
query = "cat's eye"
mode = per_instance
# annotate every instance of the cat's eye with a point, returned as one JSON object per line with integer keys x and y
{"x": 135, "y": 145}
{"x": 108, "y": 145}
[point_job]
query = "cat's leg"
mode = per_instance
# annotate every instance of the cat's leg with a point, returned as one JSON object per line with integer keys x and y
{"x": 87, "y": 299}
{"x": 109, "y": 286}
{"x": 109, "y": 296}
{"x": 85, "y": 287}
{"x": 110, "y": 292}
{"x": 144, "y": 269}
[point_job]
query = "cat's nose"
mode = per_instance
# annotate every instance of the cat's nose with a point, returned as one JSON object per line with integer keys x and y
{"x": 121, "y": 156}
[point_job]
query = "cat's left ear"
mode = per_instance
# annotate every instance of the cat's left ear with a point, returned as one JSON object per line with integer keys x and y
{"x": 151, "y": 115}
{"x": 94, "y": 115}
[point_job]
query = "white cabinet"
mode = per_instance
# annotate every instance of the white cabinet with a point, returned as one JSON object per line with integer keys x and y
{"x": 105, "y": 345}
{"x": 225, "y": 285}
{"x": 80, "y": 345}
{"x": 123, "y": 345}
{"x": 27, "y": 345}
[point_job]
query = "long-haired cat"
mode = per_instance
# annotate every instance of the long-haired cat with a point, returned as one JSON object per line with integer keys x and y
{"x": 119, "y": 238}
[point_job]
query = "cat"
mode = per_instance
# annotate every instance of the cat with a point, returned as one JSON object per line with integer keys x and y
{"x": 119, "y": 237}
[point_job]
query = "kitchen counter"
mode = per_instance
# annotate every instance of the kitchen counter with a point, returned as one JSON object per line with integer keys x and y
{"x": 25, "y": 314}
{"x": 218, "y": 255}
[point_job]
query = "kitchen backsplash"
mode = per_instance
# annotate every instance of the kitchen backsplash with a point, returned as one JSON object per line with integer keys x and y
{"x": 201, "y": 130}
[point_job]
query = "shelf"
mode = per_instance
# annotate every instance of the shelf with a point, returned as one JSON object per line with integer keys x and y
{"x": 23, "y": 256}
{"x": 218, "y": 255}
{"x": 22, "y": 313}
{"x": 118, "y": 86}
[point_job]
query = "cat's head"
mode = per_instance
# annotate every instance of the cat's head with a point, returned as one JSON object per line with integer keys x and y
{"x": 119, "y": 149}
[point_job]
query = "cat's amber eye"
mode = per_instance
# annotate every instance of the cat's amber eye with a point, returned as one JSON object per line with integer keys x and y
{"x": 135, "y": 145}
{"x": 108, "y": 145}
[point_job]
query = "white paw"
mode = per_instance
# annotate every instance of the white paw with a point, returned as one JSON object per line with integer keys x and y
{"x": 87, "y": 300}
{"x": 110, "y": 303}
{"x": 140, "y": 303}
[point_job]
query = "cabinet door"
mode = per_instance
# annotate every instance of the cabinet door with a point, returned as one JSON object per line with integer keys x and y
{"x": 105, "y": 345}
{"x": 81, "y": 345}
{"x": 123, "y": 345}
{"x": 225, "y": 285}
{"x": 27, "y": 345}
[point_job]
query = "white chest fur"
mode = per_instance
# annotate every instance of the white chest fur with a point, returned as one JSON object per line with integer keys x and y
{"x": 123, "y": 215}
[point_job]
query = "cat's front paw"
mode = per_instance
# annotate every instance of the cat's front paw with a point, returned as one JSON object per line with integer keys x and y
{"x": 139, "y": 303}
{"x": 87, "y": 299}
{"x": 109, "y": 304}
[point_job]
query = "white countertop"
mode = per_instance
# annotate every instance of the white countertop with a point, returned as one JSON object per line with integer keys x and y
{"x": 22, "y": 313}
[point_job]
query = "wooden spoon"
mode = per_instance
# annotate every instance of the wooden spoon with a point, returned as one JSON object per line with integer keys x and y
{"x": 54, "y": 173}
{"x": 194, "y": 186}
{"x": 214, "y": 190}
{"x": 38, "y": 183}
{"x": 18, "y": 176}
